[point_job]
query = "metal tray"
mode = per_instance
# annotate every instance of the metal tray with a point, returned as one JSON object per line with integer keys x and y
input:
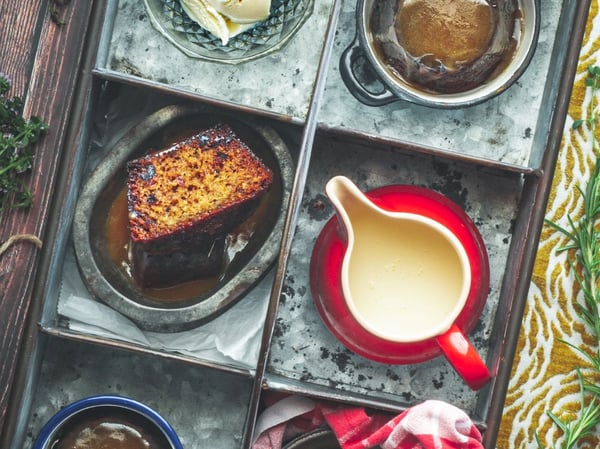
{"x": 304, "y": 352}
{"x": 279, "y": 83}
{"x": 294, "y": 352}
{"x": 204, "y": 406}
{"x": 304, "y": 357}
{"x": 509, "y": 130}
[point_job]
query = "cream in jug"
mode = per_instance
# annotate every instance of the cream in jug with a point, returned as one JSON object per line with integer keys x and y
{"x": 405, "y": 277}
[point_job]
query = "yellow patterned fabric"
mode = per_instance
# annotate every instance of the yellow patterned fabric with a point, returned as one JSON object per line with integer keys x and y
{"x": 543, "y": 377}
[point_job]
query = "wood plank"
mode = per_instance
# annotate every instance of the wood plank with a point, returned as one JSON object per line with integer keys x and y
{"x": 42, "y": 59}
{"x": 19, "y": 29}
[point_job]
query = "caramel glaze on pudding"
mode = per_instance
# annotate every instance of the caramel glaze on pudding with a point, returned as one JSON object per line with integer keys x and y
{"x": 444, "y": 46}
{"x": 184, "y": 200}
{"x": 117, "y": 242}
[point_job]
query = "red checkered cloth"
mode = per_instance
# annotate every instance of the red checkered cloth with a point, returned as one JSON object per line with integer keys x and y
{"x": 429, "y": 425}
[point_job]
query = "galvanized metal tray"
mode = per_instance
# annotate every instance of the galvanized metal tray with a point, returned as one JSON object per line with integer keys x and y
{"x": 305, "y": 352}
{"x": 295, "y": 92}
{"x": 509, "y": 129}
{"x": 278, "y": 83}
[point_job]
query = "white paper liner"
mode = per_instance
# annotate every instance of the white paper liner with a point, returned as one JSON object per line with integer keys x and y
{"x": 231, "y": 338}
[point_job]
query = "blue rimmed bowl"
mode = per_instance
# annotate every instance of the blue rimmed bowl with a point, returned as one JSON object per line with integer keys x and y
{"x": 94, "y": 415}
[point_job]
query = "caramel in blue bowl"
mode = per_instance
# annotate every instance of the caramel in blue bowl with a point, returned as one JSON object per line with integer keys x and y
{"x": 107, "y": 421}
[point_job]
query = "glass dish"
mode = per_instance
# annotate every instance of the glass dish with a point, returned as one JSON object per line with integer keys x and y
{"x": 286, "y": 17}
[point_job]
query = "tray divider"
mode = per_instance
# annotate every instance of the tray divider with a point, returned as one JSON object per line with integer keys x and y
{"x": 308, "y": 135}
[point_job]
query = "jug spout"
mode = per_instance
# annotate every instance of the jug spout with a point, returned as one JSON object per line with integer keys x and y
{"x": 348, "y": 200}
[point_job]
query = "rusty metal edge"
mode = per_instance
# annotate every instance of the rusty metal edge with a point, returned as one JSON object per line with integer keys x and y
{"x": 308, "y": 135}
{"x": 536, "y": 193}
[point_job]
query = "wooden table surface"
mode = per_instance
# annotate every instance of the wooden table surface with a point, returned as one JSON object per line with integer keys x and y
{"x": 43, "y": 60}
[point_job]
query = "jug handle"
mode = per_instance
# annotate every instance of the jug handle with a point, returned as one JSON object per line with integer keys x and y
{"x": 463, "y": 357}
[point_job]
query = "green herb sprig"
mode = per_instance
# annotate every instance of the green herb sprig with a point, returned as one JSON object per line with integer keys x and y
{"x": 583, "y": 236}
{"x": 17, "y": 136}
{"x": 55, "y": 11}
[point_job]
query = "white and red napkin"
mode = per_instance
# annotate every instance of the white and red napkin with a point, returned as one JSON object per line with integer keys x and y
{"x": 430, "y": 425}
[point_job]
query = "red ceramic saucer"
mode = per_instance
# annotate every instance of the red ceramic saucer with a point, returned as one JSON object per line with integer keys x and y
{"x": 326, "y": 263}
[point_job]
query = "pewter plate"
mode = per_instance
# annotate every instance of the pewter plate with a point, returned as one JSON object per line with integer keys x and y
{"x": 286, "y": 17}
{"x": 104, "y": 275}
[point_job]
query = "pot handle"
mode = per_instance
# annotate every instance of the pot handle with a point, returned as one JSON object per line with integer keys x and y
{"x": 464, "y": 357}
{"x": 347, "y": 62}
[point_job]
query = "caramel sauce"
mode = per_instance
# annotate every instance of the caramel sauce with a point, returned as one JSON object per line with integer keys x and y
{"x": 445, "y": 47}
{"x": 109, "y": 430}
{"x": 117, "y": 242}
{"x": 449, "y": 32}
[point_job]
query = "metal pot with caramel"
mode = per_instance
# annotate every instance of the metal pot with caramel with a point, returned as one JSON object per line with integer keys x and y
{"x": 443, "y": 54}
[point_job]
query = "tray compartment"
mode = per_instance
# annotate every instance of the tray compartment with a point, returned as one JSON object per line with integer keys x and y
{"x": 510, "y": 129}
{"x": 279, "y": 83}
{"x": 204, "y": 406}
{"x": 304, "y": 351}
{"x": 67, "y": 299}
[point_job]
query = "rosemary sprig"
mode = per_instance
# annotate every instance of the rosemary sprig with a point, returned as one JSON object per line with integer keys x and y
{"x": 17, "y": 136}
{"x": 583, "y": 237}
